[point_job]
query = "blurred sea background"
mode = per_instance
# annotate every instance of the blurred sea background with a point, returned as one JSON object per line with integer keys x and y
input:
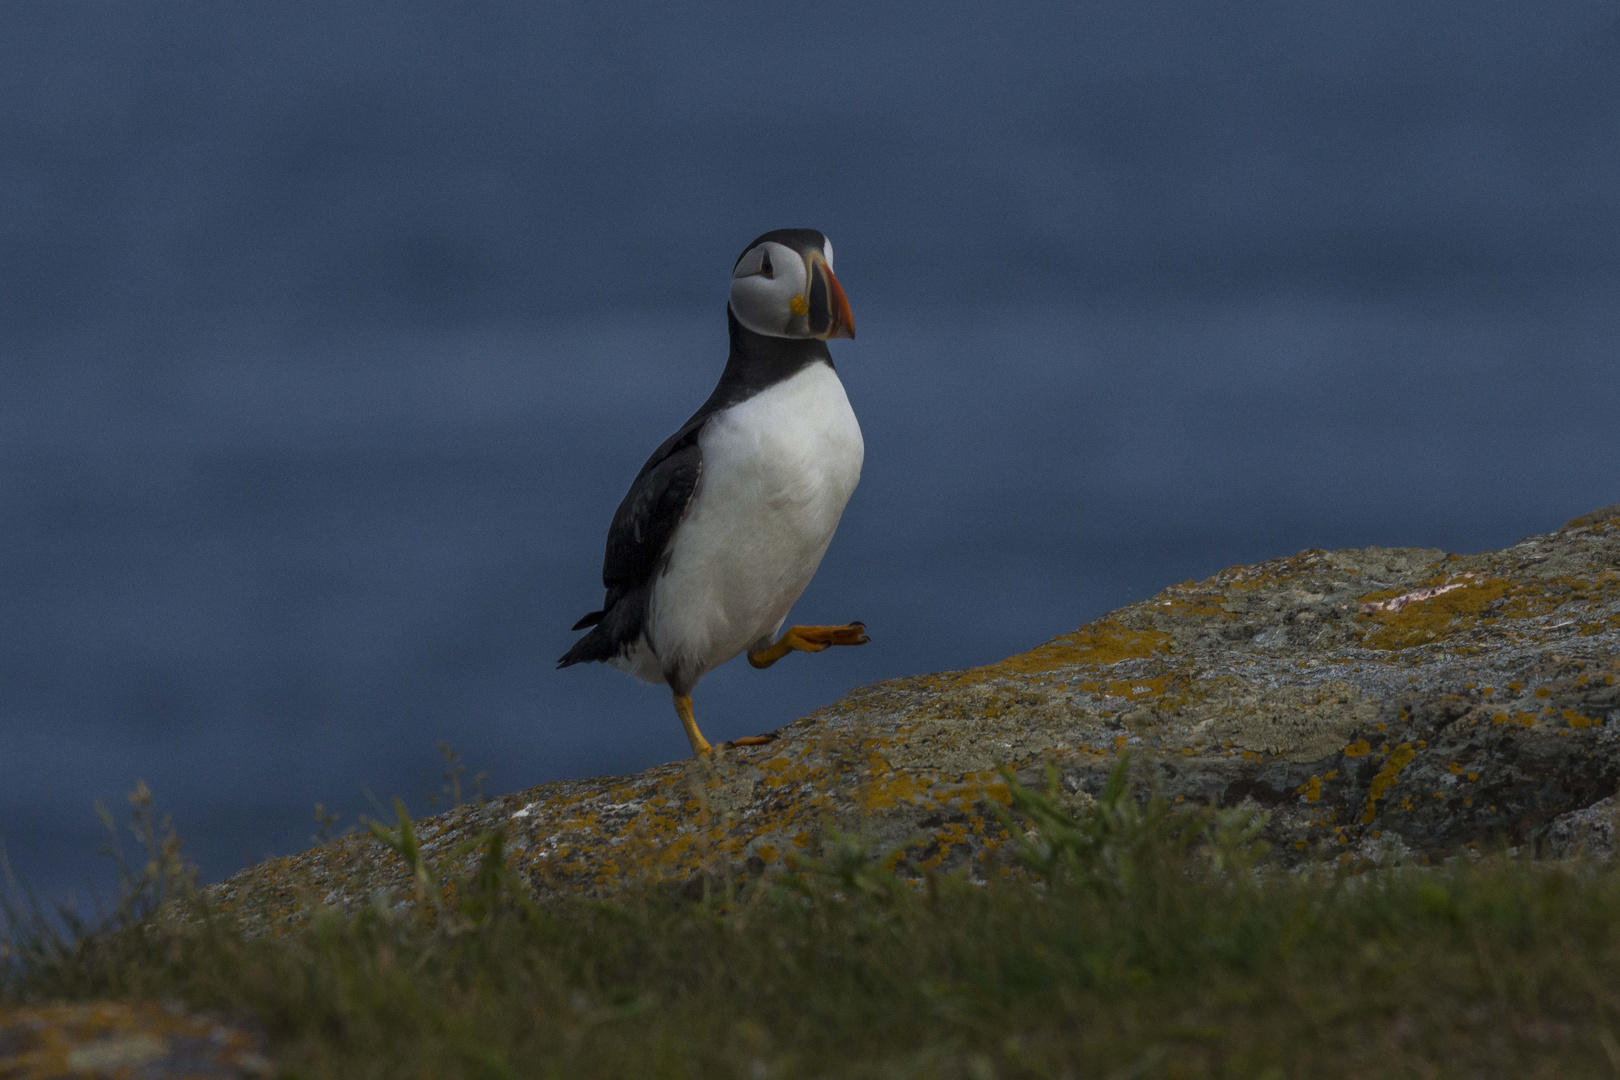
{"x": 332, "y": 333}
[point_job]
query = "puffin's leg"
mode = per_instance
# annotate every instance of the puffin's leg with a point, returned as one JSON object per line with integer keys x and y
{"x": 809, "y": 639}
{"x": 683, "y": 709}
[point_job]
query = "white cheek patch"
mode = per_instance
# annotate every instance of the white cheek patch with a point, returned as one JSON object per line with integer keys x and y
{"x": 765, "y": 304}
{"x": 826, "y": 251}
{"x": 751, "y": 262}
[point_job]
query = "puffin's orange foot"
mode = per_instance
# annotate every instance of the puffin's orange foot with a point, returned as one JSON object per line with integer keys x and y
{"x": 849, "y": 634}
{"x": 809, "y": 639}
{"x": 753, "y": 740}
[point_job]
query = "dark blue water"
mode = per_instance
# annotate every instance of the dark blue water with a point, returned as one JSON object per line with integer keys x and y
{"x": 331, "y": 336}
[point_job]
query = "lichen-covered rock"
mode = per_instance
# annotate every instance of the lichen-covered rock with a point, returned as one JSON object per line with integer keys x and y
{"x": 112, "y": 1039}
{"x": 1372, "y": 701}
{"x": 1588, "y": 832}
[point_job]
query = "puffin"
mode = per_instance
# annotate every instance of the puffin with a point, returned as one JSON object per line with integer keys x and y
{"x": 728, "y": 520}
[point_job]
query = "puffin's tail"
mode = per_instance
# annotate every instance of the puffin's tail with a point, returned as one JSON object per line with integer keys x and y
{"x": 612, "y": 628}
{"x": 593, "y": 646}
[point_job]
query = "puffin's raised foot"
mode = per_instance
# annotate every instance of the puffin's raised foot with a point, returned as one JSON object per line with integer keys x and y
{"x": 753, "y": 740}
{"x": 809, "y": 639}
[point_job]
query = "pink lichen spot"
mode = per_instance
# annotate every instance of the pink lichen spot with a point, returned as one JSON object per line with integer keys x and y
{"x": 1422, "y": 615}
{"x": 1395, "y": 603}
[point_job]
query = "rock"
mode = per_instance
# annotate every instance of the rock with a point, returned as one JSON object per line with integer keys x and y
{"x": 122, "y": 1039}
{"x": 1372, "y": 701}
{"x": 1588, "y": 832}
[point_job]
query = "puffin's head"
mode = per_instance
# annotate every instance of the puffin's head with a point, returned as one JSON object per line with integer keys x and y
{"x": 783, "y": 286}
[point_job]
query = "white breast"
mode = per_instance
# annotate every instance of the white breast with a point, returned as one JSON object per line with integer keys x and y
{"x": 777, "y": 471}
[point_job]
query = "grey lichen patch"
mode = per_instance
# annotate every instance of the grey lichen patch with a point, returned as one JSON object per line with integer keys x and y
{"x": 1588, "y": 833}
{"x": 1373, "y": 701}
{"x": 1300, "y": 723}
{"x": 1388, "y": 567}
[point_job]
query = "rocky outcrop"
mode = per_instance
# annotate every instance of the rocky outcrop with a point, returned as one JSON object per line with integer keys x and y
{"x": 1375, "y": 702}
{"x": 112, "y": 1040}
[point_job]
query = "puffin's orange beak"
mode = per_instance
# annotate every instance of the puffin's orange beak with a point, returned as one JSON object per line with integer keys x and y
{"x": 829, "y": 307}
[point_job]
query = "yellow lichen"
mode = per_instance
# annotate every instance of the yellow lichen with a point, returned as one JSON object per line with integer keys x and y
{"x": 1137, "y": 688}
{"x": 1398, "y": 760}
{"x": 1103, "y": 642}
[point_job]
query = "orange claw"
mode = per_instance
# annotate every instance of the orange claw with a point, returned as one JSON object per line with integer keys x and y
{"x": 753, "y": 740}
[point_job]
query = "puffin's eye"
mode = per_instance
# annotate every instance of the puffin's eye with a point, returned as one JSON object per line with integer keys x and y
{"x": 765, "y": 267}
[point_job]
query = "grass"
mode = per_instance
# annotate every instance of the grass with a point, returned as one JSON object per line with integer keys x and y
{"x": 1137, "y": 941}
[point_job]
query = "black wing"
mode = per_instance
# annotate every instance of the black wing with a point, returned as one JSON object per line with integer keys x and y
{"x": 646, "y": 519}
{"x": 637, "y": 544}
